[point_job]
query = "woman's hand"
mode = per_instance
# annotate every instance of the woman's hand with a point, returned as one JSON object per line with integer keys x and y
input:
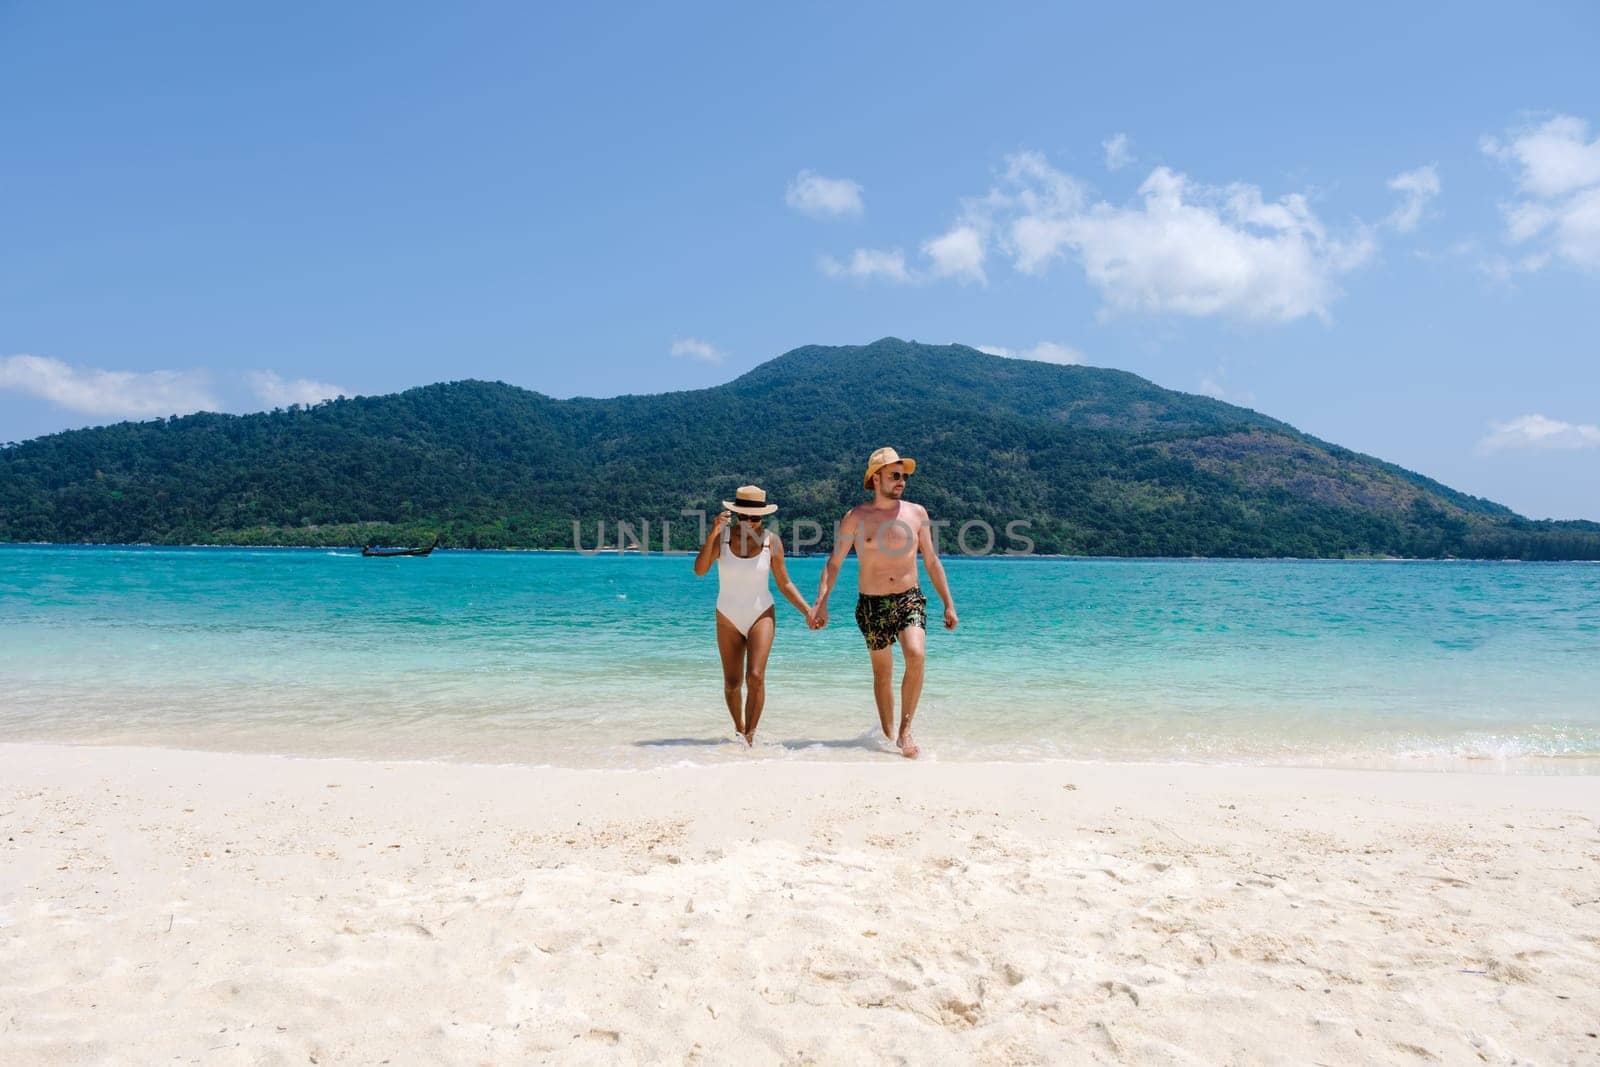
{"x": 708, "y": 551}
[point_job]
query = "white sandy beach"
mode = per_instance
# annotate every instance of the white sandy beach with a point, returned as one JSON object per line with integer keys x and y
{"x": 160, "y": 905}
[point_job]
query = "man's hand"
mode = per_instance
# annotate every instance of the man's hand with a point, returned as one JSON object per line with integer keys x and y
{"x": 950, "y": 619}
{"x": 819, "y": 616}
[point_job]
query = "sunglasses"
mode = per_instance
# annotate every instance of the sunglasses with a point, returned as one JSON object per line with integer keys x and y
{"x": 749, "y": 518}
{"x": 897, "y": 476}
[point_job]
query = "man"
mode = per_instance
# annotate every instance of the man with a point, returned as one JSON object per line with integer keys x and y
{"x": 887, "y": 534}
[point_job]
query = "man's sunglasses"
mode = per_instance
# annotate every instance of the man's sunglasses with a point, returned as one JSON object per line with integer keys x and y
{"x": 897, "y": 476}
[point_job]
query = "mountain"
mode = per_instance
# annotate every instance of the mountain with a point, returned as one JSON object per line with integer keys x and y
{"x": 1099, "y": 462}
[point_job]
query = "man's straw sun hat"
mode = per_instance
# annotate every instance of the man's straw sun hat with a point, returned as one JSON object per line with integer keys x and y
{"x": 750, "y": 500}
{"x": 882, "y": 458}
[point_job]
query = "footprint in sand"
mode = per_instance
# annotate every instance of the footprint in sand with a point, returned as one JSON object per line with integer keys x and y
{"x": 414, "y": 929}
{"x": 960, "y": 1014}
{"x": 1112, "y": 988}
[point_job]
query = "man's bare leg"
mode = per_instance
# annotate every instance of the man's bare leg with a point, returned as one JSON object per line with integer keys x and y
{"x": 730, "y": 646}
{"x": 883, "y": 687}
{"x": 913, "y": 645}
{"x": 758, "y": 645}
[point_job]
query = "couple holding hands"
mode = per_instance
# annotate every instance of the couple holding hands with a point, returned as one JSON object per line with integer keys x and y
{"x": 887, "y": 533}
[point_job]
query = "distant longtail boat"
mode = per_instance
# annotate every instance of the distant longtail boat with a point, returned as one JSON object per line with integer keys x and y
{"x": 368, "y": 550}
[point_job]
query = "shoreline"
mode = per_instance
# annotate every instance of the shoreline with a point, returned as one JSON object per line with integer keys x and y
{"x": 162, "y": 902}
{"x": 689, "y": 553}
{"x": 771, "y": 752}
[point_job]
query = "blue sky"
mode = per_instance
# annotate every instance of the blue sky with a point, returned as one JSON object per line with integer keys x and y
{"x": 1379, "y": 223}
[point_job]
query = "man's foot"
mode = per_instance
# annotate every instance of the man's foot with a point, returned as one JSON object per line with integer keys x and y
{"x": 908, "y": 747}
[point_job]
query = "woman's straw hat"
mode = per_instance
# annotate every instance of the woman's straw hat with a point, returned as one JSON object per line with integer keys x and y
{"x": 750, "y": 500}
{"x": 882, "y": 458}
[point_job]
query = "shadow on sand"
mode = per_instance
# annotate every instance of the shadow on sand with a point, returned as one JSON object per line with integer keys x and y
{"x": 869, "y": 742}
{"x": 684, "y": 742}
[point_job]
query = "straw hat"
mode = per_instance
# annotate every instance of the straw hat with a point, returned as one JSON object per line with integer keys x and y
{"x": 882, "y": 458}
{"x": 750, "y": 500}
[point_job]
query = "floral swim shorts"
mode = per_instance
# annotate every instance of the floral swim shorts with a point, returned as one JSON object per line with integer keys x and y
{"x": 881, "y": 618}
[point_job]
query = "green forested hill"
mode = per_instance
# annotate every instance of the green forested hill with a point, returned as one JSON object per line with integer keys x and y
{"x": 1097, "y": 461}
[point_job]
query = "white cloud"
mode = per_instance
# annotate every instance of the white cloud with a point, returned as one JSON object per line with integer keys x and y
{"x": 1118, "y": 153}
{"x": 1212, "y": 385}
{"x": 1540, "y": 433}
{"x": 1030, "y": 185}
{"x": 697, "y": 350}
{"x": 1419, "y": 186}
{"x": 958, "y": 254}
{"x": 866, "y": 263}
{"x": 1504, "y": 268}
{"x": 961, "y": 252}
{"x": 276, "y": 391}
{"x": 1493, "y": 264}
{"x": 126, "y": 394}
{"x": 1194, "y": 250}
{"x": 822, "y": 198}
{"x": 1043, "y": 352}
{"x": 1051, "y": 352}
{"x": 1181, "y": 248}
{"x": 1554, "y": 157}
{"x": 1559, "y": 176}
{"x": 1033, "y": 206}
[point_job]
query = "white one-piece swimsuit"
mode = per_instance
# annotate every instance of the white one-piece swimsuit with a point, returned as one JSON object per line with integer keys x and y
{"x": 743, "y": 593}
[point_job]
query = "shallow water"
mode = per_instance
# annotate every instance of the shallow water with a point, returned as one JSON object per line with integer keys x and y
{"x": 611, "y": 661}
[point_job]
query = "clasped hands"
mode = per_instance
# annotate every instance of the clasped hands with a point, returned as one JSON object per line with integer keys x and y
{"x": 817, "y": 617}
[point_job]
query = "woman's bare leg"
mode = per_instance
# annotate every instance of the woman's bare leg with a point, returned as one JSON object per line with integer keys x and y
{"x": 730, "y": 646}
{"x": 758, "y": 647}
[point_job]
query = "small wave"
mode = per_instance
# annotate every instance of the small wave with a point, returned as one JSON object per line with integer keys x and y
{"x": 1505, "y": 748}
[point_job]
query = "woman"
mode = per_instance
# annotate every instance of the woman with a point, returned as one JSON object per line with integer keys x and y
{"x": 745, "y": 611}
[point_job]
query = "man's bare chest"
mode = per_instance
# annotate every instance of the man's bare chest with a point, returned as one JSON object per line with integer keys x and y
{"x": 889, "y": 534}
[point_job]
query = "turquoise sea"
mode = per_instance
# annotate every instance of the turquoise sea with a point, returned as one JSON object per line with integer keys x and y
{"x": 548, "y": 658}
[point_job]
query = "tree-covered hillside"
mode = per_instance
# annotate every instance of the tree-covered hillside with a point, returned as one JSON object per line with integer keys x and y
{"x": 1097, "y": 461}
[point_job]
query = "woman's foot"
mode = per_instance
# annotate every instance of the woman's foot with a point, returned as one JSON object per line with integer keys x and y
{"x": 908, "y": 747}
{"x": 749, "y": 739}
